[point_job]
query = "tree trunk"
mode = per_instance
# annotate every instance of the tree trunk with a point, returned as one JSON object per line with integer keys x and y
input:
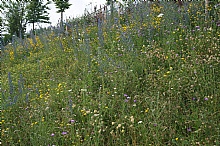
{"x": 33, "y": 26}
{"x": 61, "y": 22}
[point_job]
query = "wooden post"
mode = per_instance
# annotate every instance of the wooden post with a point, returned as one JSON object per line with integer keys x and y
{"x": 112, "y": 10}
{"x": 206, "y": 9}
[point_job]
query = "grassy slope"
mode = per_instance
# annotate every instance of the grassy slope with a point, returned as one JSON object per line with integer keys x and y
{"x": 145, "y": 81}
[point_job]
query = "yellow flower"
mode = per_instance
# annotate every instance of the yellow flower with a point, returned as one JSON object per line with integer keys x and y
{"x": 41, "y": 95}
{"x": 11, "y": 55}
{"x": 147, "y": 110}
{"x": 176, "y": 138}
{"x": 124, "y": 28}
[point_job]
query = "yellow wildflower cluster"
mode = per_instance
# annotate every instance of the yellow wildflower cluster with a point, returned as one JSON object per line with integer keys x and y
{"x": 60, "y": 88}
{"x": 156, "y": 15}
{"x": 11, "y": 53}
{"x": 36, "y": 44}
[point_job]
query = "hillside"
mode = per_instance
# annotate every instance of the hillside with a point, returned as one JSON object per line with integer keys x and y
{"x": 148, "y": 77}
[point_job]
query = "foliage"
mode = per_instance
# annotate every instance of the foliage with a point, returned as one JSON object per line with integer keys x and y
{"x": 15, "y": 17}
{"x": 62, "y": 5}
{"x": 148, "y": 79}
{"x": 37, "y": 12}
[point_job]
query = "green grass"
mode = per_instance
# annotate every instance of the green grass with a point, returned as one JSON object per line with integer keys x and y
{"x": 149, "y": 81}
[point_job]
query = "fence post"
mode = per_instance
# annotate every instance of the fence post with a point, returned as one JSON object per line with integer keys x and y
{"x": 206, "y": 9}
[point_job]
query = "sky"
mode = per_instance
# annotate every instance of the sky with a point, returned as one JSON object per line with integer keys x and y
{"x": 77, "y": 9}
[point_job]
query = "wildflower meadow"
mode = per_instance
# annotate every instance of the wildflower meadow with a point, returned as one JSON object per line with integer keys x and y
{"x": 147, "y": 77}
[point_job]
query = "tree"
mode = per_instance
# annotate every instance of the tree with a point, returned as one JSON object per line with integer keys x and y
{"x": 62, "y": 5}
{"x": 14, "y": 17}
{"x": 1, "y": 21}
{"x": 37, "y": 12}
{"x": 1, "y": 40}
{"x": 111, "y": 3}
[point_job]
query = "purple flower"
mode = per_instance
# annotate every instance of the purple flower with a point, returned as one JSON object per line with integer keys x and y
{"x": 119, "y": 54}
{"x": 126, "y": 100}
{"x": 52, "y": 134}
{"x": 135, "y": 100}
{"x": 189, "y": 129}
{"x": 155, "y": 124}
{"x": 72, "y": 121}
{"x": 125, "y": 95}
{"x": 194, "y": 98}
{"x": 206, "y": 99}
{"x": 64, "y": 133}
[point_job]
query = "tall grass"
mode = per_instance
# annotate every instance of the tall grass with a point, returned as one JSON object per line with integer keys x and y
{"x": 141, "y": 79}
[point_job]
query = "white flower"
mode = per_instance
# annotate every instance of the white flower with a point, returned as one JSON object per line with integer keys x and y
{"x": 160, "y": 15}
{"x": 132, "y": 119}
{"x": 119, "y": 125}
{"x": 112, "y": 132}
{"x": 95, "y": 115}
{"x": 84, "y": 90}
{"x": 140, "y": 122}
